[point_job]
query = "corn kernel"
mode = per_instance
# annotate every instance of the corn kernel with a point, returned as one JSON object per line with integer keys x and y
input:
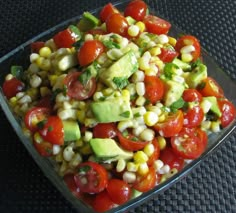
{"x": 143, "y": 169}
{"x": 120, "y": 165}
{"x": 150, "y": 118}
{"x": 44, "y": 91}
{"x": 149, "y": 149}
{"x": 133, "y": 30}
{"x": 172, "y": 41}
{"x": 86, "y": 149}
{"x": 147, "y": 134}
{"x": 129, "y": 177}
{"x": 140, "y": 157}
{"x": 186, "y": 57}
{"x": 45, "y": 52}
{"x": 162, "y": 142}
{"x": 155, "y": 51}
{"x": 141, "y": 26}
{"x": 13, "y": 101}
{"x": 132, "y": 167}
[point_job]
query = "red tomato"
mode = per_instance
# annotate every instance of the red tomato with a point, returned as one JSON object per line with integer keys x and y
{"x": 211, "y": 88}
{"x": 52, "y": 130}
{"x": 106, "y": 11}
{"x": 136, "y": 9}
{"x": 36, "y": 46}
{"x": 90, "y": 51}
{"x": 193, "y": 117}
{"x": 145, "y": 183}
{"x": 91, "y": 177}
{"x": 76, "y": 90}
{"x": 34, "y": 116}
{"x": 202, "y": 135}
{"x": 65, "y": 39}
{"x": 103, "y": 202}
{"x": 228, "y": 112}
{"x": 116, "y": 23}
{"x": 12, "y": 87}
{"x": 154, "y": 88}
{"x": 156, "y": 153}
{"x": 119, "y": 191}
{"x": 189, "y": 40}
{"x": 44, "y": 148}
{"x": 156, "y": 25}
{"x": 104, "y": 130}
{"x": 192, "y": 95}
{"x": 130, "y": 143}
{"x": 168, "y": 156}
{"x": 187, "y": 144}
{"x": 96, "y": 32}
{"x": 70, "y": 182}
{"x": 171, "y": 125}
{"x": 167, "y": 55}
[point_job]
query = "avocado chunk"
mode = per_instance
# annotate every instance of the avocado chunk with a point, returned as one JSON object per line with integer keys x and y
{"x": 196, "y": 76}
{"x": 88, "y": 22}
{"x": 174, "y": 91}
{"x": 135, "y": 193}
{"x": 120, "y": 70}
{"x": 112, "y": 109}
{"x": 71, "y": 130}
{"x": 183, "y": 65}
{"x": 108, "y": 149}
{"x": 214, "y": 105}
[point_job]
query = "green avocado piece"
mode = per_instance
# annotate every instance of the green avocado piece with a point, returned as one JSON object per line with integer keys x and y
{"x": 174, "y": 91}
{"x": 130, "y": 20}
{"x": 214, "y": 105}
{"x": 121, "y": 69}
{"x": 183, "y": 65}
{"x": 112, "y": 110}
{"x": 108, "y": 149}
{"x": 196, "y": 76}
{"x": 135, "y": 193}
{"x": 88, "y": 22}
{"x": 71, "y": 130}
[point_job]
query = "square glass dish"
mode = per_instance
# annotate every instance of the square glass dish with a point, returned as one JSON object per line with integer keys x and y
{"x": 20, "y": 55}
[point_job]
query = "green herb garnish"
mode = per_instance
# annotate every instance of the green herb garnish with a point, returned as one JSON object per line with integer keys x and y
{"x": 120, "y": 82}
{"x": 177, "y": 105}
{"x": 125, "y": 114}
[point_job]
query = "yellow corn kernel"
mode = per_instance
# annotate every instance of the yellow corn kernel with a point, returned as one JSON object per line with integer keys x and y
{"x": 132, "y": 167}
{"x": 162, "y": 142}
{"x": 26, "y": 132}
{"x": 59, "y": 157}
{"x": 52, "y": 79}
{"x": 140, "y": 157}
{"x": 39, "y": 61}
{"x": 120, "y": 165}
{"x": 46, "y": 65}
{"x": 38, "y": 138}
{"x": 125, "y": 93}
{"x": 44, "y": 91}
{"x": 186, "y": 57}
{"x": 215, "y": 126}
{"x": 45, "y": 52}
{"x": 143, "y": 169}
{"x": 149, "y": 149}
{"x": 33, "y": 93}
{"x": 161, "y": 117}
{"x": 133, "y": 30}
{"x": 172, "y": 41}
{"x": 155, "y": 51}
{"x": 141, "y": 26}
{"x": 90, "y": 122}
{"x": 150, "y": 118}
{"x": 13, "y": 101}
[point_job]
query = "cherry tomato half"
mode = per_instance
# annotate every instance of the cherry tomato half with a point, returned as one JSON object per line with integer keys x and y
{"x": 171, "y": 125}
{"x": 169, "y": 157}
{"x": 90, "y": 51}
{"x": 154, "y": 88}
{"x": 193, "y": 117}
{"x": 36, "y": 46}
{"x": 104, "y": 130}
{"x": 118, "y": 190}
{"x": 187, "y": 144}
{"x": 156, "y": 25}
{"x": 44, "y": 148}
{"x": 228, "y": 112}
{"x": 12, "y": 87}
{"x": 130, "y": 142}
{"x": 147, "y": 182}
{"x": 116, "y": 23}
{"x": 106, "y": 11}
{"x": 189, "y": 40}
{"x": 91, "y": 177}
{"x": 34, "y": 116}
{"x": 70, "y": 182}
{"x": 211, "y": 88}
{"x": 52, "y": 130}
{"x": 76, "y": 90}
{"x": 103, "y": 202}
{"x": 167, "y": 55}
{"x": 137, "y": 9}
{"x": 65, "y": 38}
{"x": 192, "y": 95}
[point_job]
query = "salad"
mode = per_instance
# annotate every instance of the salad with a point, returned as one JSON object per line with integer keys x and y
{"x": 117, "y": 103}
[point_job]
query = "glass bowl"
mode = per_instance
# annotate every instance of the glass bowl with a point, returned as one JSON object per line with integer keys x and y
{"x": 20, "y": 56}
